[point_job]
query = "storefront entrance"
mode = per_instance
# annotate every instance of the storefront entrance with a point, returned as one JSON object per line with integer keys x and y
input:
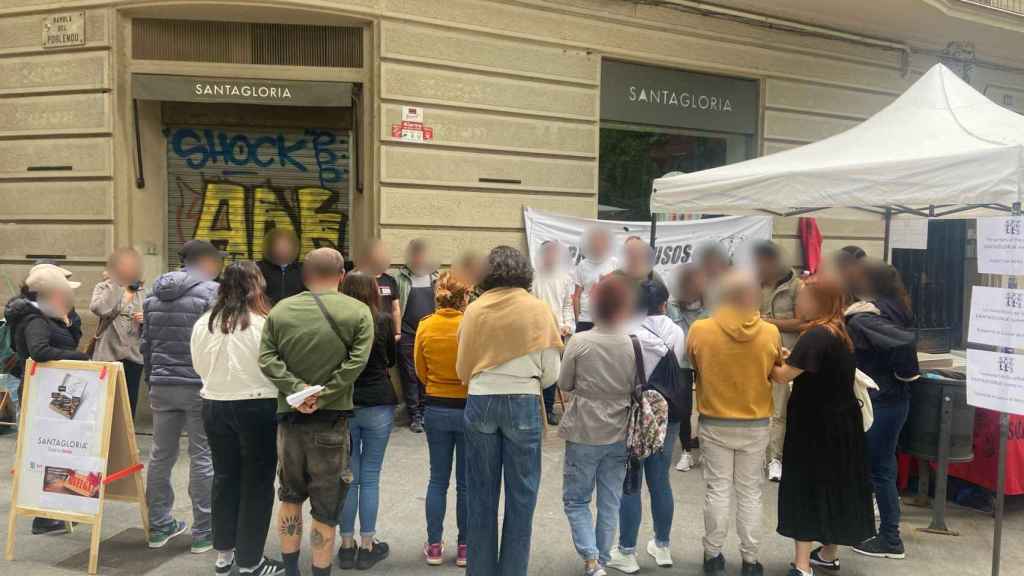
{"x": 659, "y": 120}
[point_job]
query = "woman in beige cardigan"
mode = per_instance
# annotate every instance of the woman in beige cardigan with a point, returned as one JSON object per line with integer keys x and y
{"x": 117, "y": 302}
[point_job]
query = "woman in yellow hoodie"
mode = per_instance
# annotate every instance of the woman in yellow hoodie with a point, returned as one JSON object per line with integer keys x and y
{"x": 435, "y": 352}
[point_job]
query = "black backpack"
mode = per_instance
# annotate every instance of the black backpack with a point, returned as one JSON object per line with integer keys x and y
{"x": 667, "y": 380}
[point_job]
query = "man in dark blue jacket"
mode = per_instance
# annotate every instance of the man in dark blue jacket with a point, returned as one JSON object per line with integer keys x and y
{"x": 177, "y": 300}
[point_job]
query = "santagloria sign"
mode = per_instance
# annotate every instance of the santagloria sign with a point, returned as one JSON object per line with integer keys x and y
{"x": 657, "y": 96}
{"x": 242, "y": 91}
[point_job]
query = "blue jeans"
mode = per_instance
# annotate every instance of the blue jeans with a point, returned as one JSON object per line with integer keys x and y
{"x": 586, "y": 467}
{"x": 881, "y": 448}
{"x": 503, "y": 441}
{"x": 446, "y": 441}
{"x": 656, "y": 470}
{"x": 370, "y": 429}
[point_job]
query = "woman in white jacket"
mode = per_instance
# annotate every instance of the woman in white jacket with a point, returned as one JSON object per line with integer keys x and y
{"x": 239, "y": 411}
{"x": 553, "y": 284}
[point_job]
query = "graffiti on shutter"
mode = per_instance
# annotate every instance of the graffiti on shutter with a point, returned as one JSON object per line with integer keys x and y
{"x": 232, "y": 185}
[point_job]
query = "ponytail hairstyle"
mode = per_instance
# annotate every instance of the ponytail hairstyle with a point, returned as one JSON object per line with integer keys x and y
{"x": 830, "y": 298}
{"x": 452, "y": 291}
{"x": 242, "y": 291}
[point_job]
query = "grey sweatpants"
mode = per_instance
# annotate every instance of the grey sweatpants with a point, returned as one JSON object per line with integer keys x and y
{"x": 177, "y": 409}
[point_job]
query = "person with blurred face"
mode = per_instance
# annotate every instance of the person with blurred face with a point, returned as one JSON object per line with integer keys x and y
{"x": 825, "y": 494}
{"x": 282, "y": 271}
{"x": 117, "y": 301}
{"x": 733, "y": 353}
{"x": 686, "y": 308}
{"x": 554, "y": 286}
{"x": 317, "y": 338}
{"x": 599, "y": 370}
{"x": 470, "y": 267}
{"x": 597, "y": 262}
{"x": 170, "y": 311}
{"x": 780, "y": 285}
{"x": 850, "y": 264}
{"x": 416, "y": 282}
{"x": 374, "y": 262}
{"x": 638, "y": 260}
{"x": 714, "y": 262}
{"x": 42, "y": 331}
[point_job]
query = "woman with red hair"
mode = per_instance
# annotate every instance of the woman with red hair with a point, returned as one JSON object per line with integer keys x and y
{"x": 825, "y": 493}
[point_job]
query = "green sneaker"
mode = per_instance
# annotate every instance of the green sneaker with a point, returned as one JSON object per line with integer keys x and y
{"x": 201, "y": 544}
{"x": 159, "y": 537}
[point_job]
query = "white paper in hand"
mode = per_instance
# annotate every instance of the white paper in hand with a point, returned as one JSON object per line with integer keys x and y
{"x": 296, "y": 399}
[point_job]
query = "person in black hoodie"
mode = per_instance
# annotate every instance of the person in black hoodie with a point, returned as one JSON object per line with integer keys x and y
{"x": 280, "y": 265}
{"x": 885, "y": 343}
{"x": 370, "y": 426}
{"x": 40, "y": 318}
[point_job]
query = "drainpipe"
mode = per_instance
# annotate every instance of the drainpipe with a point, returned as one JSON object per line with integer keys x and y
{"x": 714, "y": 10}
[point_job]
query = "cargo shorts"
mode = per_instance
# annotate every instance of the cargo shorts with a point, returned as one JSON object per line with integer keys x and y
{"x": 313, "y": 463}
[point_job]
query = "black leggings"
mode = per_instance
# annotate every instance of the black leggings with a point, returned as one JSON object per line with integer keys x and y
{"x": 686, "y": 437}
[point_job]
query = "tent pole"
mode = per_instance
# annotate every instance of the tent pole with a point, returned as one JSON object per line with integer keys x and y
{"x": 654, "y": 229}
{"x": 888, "y": 229}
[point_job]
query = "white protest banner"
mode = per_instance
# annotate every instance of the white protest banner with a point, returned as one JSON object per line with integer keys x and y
{"x": 1001, "y": 245}
{"x": 997, "y": 317}
{"x": 995, "y": 381}
{"x": 675, "y": 240}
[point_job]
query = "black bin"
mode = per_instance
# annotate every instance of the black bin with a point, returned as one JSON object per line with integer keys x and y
{"x": 920, "y": 436}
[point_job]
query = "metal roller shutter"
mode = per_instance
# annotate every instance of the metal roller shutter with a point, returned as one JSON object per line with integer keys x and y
{"x": 231, "y": 185}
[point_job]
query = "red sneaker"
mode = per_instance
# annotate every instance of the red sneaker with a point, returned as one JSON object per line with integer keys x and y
{"x": 460, "y": 560}
{"x": 434, "y": 553}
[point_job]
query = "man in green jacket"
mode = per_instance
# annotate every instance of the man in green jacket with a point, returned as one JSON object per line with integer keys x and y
{"x": 319, "y": 337}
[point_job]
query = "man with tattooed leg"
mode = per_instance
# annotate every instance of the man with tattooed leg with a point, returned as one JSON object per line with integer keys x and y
{"x": 317, "y": 338}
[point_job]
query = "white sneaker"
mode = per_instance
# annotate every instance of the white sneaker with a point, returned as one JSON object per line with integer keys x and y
{"x": 662, "y": 554}
{"x": 775, "y": 470}
{"x": 686, "y": 462}
{"x": 625, "y": 563}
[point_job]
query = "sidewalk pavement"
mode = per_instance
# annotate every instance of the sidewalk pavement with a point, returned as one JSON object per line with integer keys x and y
{"x": 401, "y": 524}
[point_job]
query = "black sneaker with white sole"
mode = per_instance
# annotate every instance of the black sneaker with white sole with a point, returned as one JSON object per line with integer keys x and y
{"x": 223, "y": 568}
{"x": 817, "y": 561}
{"x": 369, "y": 558}
{"x": 878, "y": 548}
{"x": 266, "y": 567}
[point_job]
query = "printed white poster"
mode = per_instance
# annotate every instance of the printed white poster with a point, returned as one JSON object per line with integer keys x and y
{"x": 675, "y": 241}
{"x": 909, "y": 233}
{"x": 997, "y": 317}
{"x": 995, "y": 381}
{"x": 61, "y": 464}
{"x": 1001, "y": 245}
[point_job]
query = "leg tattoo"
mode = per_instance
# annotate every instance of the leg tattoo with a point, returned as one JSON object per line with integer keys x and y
{"x": 291, "y": 525}
{"x": 317, "y": 540}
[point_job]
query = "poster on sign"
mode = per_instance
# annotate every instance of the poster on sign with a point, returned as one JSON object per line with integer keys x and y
{"x": 675, "y": 243}
{"x": 995, "y": 380}
{"x": 997, "y": 317}
{"x": 1001, "y": 245}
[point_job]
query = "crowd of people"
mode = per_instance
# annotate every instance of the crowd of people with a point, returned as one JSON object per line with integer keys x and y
{"x": 768, "y": 360}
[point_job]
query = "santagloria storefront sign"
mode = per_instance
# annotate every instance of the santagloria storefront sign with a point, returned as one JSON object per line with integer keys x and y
{"x": 242, "y": 91}
{"x": 657, "y": 96}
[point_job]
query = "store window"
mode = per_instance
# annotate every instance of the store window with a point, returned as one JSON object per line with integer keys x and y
{"x": 657, "y": 120}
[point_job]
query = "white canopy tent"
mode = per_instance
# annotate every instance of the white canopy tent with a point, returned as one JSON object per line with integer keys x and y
{"x": 940, "y": 150}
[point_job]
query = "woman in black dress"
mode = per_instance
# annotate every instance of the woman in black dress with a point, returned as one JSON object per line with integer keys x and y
{"x": 825, "y": 494}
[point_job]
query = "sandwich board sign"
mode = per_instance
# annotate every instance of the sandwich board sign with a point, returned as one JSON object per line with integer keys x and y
{"x": 76, "y": 448}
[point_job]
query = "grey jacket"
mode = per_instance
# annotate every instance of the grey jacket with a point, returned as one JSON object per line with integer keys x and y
{"x": 599, "y": 369}
{"x": 177, "y": 300}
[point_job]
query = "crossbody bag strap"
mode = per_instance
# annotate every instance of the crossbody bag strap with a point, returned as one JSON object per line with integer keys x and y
{"x": 327, "y": 316}
{"x": 641, "y": 371}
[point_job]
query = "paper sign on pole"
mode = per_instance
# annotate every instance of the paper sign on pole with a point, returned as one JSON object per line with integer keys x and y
{"x": 1001, "y": 245}
{"x": 997, "y": 317}
{"x": 909, "y": 233}
{"x": 995, "y": 380}
{"x": 675, "y": 243}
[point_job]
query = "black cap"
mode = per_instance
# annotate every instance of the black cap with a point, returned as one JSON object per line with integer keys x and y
{"x": 197, "y": 248}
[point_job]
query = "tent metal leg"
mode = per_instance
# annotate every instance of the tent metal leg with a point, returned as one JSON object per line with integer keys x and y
{"x": 888, "y": 231}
